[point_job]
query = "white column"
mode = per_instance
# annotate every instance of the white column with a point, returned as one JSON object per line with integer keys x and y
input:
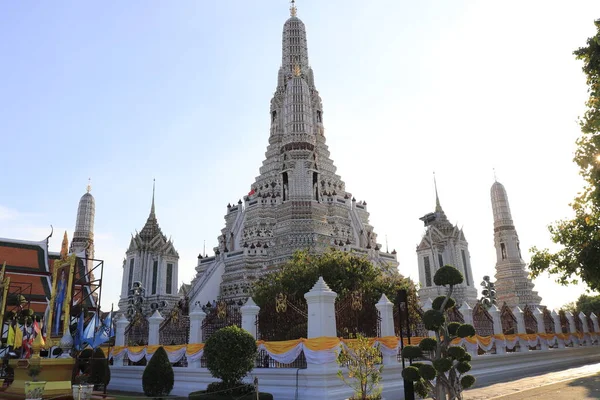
{"x": 494, "y": 312}
{"x": 595, "y": 322}
{"x": 321, "y": 310}
{"x": 196, "y": 318}
{"x": 249, "y": 313}
{"x": 518, "y": 313}
{"x": 467, "y": 314}
{"x": 541, "y": 327}
{"x": 386, "y": 324}
{"x": 572, "y": 327}
{"x": 121, "y": 323}
{"x": 154, "y": 326}
{"x": 585, "y": 328}
{"x": 557, "y": 328}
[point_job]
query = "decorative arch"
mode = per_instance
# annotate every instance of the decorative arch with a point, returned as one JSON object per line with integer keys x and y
{"x": 509, "y": 321}
{"x": 530, "y": 320}
{"x": 482, "y": 321}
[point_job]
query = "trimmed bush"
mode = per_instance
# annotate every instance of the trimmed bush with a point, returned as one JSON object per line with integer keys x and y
{"x": 230, "y": 354}
{"x": 99, "y": 370}
{"x": 467, "y": 357}
{"x": 411, "y": 374}
{"x": 427, "y": 372}
{"x": 411, "y": 352}
{"x": 456, "y": 352}
{"x": 158, "y": 377}
{"x": 453, "y": 327}
{"x": 437, "y": 303}
{"x": 442, "y": 365}
{"x": 428, "y": 344}
{"x": 463, "y": 367}
{"x": 433, "y": 320}
{"x": 465, "y": 330}
{"x": 447, "y": 275}
{"x": 467, "y": 381}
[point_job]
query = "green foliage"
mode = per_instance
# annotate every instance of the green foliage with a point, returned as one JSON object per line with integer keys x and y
{"x": 421, "y": 388}
{"x": 411, "y": 374}
{"x": 586, "y": 304}
{"x": 363, "y": 366}
{"x": 467, "y": 381}
{"x": 344, "y": 273}
{"x": 437, "y": 303}
{"x": 453, "y": 327}
{"x": 578, "y": 236}
{"x": 427, "y": 372}
{"x": 428, "y": 344}
{"x": 433, "y": 319}
{"x": 465, "y": 330}
{"x": 411, "y": 352}
{"x": 442, "y": 365}
{"x": 456, "y": 352}
{"x": 99, "y": 370}
{"x": 447, "y": 275}
{"x": 463, "y": 367}
{"x": 223, "y": 389}
{"x": 466, "y": 357}
{"x": 230, "y": 354}
{"x": 158, "y": 377}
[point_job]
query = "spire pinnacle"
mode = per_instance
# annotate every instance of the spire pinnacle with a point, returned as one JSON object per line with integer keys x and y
{"x": 438, "y": 206}
{"x": 495, "y": 178}
{"x": 293, "y": 9}
{"x": 89, "y": 185}
{"x": 64, "y": 248}
{"x": 153, "y": 189}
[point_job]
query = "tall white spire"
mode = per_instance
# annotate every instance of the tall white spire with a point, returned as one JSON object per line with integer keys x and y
{"x": 83, "y": 237}
{"x": 513, "y": 285}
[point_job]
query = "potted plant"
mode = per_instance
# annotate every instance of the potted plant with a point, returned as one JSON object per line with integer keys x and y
{"x": 34, "y": 389}
{"x": 82, "y": 389}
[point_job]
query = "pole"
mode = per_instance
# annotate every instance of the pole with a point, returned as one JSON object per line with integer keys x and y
{"x": 402, "y": 301}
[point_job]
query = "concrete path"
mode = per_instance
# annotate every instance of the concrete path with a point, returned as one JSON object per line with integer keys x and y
{"x": 580, "y": 383}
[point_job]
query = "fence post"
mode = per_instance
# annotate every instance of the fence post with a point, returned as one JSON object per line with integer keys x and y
{"x": 321, "y": 310}
{"x": 154, "y": 326}
{"x": 121, "y": 323}
{"x": 595, "y": 322}
{"x": 494, "y": 312}
{"x": 557, "y": 329}
{"x": 541, "y": 327}
{"x": 386, "y": 325}
{"x": 584, "y": 327}
{"x": 249, "y": 313}
{"x": 523, "y": 343}
{"x": 572, "y": 327}
{"x": 197, "y": 316}
{"x": 467, "y": 314}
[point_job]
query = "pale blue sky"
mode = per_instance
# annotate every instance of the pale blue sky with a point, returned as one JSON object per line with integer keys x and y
{"x": 124, "y": 92}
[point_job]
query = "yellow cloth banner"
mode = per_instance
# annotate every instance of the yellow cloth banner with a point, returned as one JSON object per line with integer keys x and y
{"x": 10, "y": 341}
{"x": 321, "y": 343}
{"x": 18, "y": 336}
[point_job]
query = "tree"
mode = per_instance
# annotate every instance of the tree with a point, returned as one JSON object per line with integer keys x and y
{"x": 230, "y": 353}
{"x": 448, "y": 363}
{"x": 344, "y": 273}
{"x": 580, "y": 236}
{"x": 364, "y": 366}
{"x": 585, "y": 303}
{"x": 158, "y": 377}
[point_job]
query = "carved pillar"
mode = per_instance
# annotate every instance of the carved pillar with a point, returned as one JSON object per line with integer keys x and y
{"x": 249, "y": 313}
{"x": 595, "y": 322}
{"x": 154, "y": 325}
{"x": 518, "y": 313}
{"x": 557, "y": 328}
{"x": 572, "y": 327}
{"x": 494, "y": 312}
{"x": 197, "y": 317}
{"x": 585, "y": 328}
{"x": 321, "y": 310}
{"x": 386, "y": 324}
{"x": 541, "y": 328}
{"x": 122, "y": 324}
{"x": 467, "y": 313}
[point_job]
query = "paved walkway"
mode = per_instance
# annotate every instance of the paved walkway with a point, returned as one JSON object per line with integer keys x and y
{"x": 580, "y": 383}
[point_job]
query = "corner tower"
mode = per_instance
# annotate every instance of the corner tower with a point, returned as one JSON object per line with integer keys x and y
{"x": 513, "y": 285}
{"x": 83, "y": 237}
{"x": 152, "y": 260}
{"x": 444, "y": 243}
{"x": 297, "y": 201}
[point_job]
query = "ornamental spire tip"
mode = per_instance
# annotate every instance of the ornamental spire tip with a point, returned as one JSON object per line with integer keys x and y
{"x": 293, "y": 9}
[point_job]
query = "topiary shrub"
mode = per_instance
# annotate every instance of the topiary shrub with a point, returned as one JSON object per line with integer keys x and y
{"x": 99, "y": 370}
{"x": 444, "y": 378}
{"x": 158, "y": 377}
{"x": 230, "y": 353}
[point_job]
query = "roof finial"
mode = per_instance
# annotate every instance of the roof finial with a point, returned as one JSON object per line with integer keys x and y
{"x": 495, "y": 178}
{"x": 438, "y": 206}
{"x": 153, "y": 189}
{"x": 89, "y": 185}
{"x": 64, "y": 248}
{"x": 293, "y": 9}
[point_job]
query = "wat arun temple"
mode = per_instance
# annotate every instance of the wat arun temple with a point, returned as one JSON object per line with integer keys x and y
{"x": 297, "y": 201}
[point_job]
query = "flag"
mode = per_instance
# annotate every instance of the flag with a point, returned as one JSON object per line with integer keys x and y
{"x": 251, "y": 192}
{"x": 78, "y": 340}
{"x": 10, "y": 341}
{"x": 105, "y": 332}
{"x": 90, "y": 330}
{"x": 45, "y": 319}
{"x": 18, "y": 336}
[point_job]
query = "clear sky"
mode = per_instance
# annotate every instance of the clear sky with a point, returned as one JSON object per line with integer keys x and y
{"x": 124, "y": 92}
